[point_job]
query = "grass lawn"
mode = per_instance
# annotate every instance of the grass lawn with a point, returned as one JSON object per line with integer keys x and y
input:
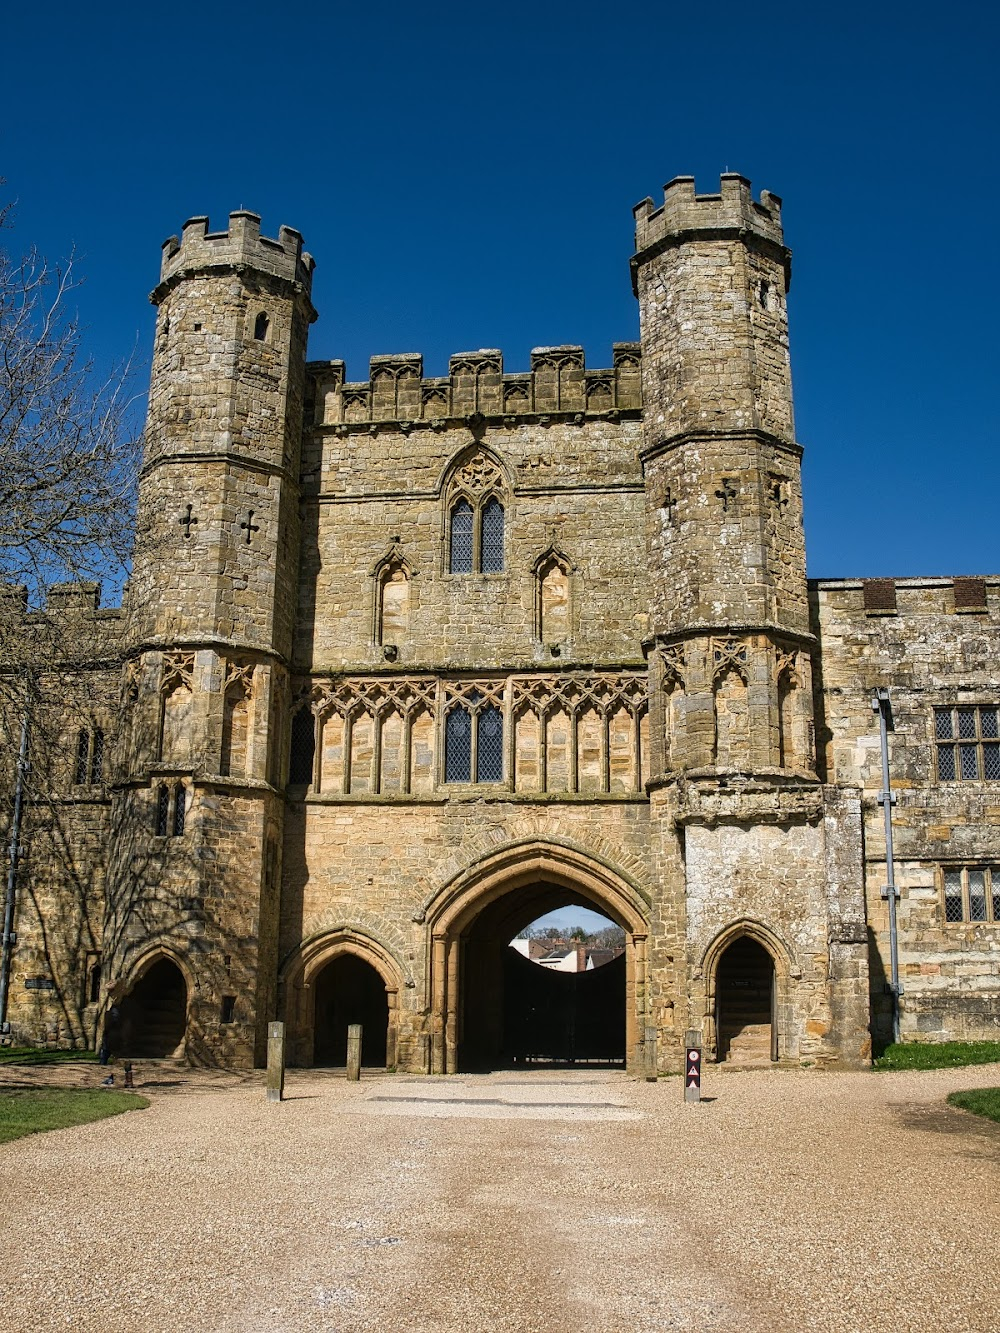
{"x": 980, "y": 1101}
{"x": 32, "y": 1110}
{"x": 937, "y": 1054}
{"x": 38, "y": 1055}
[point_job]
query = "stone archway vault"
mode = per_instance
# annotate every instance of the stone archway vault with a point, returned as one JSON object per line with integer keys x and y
{"x": 304, "y": 967}
{"x": 569, "y": 874}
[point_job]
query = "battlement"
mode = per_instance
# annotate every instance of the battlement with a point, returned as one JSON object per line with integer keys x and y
{"x": 683, "y": 212}
{"x": 241, "y": 245}
{"x": 557, "y": 383}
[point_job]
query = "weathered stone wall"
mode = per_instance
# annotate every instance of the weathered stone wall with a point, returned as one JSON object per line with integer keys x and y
{"x": 932, "y": 654}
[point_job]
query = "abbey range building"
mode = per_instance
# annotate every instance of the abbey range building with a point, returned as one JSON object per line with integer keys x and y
{"x": 406, "y": 663}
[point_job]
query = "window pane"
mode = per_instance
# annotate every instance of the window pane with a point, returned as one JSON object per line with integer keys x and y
{"x": 461, "y": 538}
{"x": 180, "y": 809}
{"x": 953, "y": 895}
{"x": 492, "y": 537}
{"x": 162, "y": 810}
{"x": 966, "y": 722}
{"x": 988, "y": 723}
{"x": 942, "y": 723}
{"x": 967, "y": 757}
{"x": 458, "y": 746}
{"x": 489, "y": 751}
{"x": 991, "y": 761}
{"x": 300, "y": 767}
{"x": 82, "y": 753}
{"x": 946, "y": 763}
{"x": 97, "y": 757}
{"x": 995, "y": 883}
{"x": 977, "y": 895}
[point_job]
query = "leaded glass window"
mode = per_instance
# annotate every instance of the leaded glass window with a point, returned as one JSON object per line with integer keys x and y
{"x": 968, "y": 743}
{"x": 461, "y": 538}
{"x": 180, "y": 810}
{"x": 97, "y": 756}
{"x": 162, "y": 810}
{"x": 300, "y": 767}
{"x": 492, "y": 537}
{"x": 489, "y": 747}
{"x": 82, "y": 755}
{"x": 458, "y": 746}
{"x": 972, "y": 893}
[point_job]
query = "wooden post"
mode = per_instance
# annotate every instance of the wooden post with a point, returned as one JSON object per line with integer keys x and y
{"x": 650, "y": 1055}
{"x": 692, "y": 1065}
{"x": 275, "y": 1062}
{"x": 354, "y": 1051}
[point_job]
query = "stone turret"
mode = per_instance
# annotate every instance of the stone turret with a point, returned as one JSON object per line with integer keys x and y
{"x": 730, "y": 642}
{"x": 210, "y": 623}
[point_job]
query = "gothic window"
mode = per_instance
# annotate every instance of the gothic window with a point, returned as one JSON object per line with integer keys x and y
{"x": 261, "y": 326}
{"x": 492, "y": 536}
{"x": 303, "y": 748}
{"x": 972, "y": 893}
{"x": 968, "y": 743}
{"x": 489, "y": 750}
{"x": 458, "y": 746}
{"x": 462, "y": 516}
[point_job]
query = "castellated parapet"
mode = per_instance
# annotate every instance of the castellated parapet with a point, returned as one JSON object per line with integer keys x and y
{"x": 241, "y": 246}
{"x": 558, "y": 383}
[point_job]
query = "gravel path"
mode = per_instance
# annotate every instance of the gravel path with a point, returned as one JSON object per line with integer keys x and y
{"x": 791, "y": 1201}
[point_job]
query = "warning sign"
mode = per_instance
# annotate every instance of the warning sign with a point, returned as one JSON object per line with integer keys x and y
{"x": 693, "y": 1066}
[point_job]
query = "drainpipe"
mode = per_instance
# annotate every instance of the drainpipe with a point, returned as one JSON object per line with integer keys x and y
{"x": 887, "y": 799}
{"x": 9, "y": 938}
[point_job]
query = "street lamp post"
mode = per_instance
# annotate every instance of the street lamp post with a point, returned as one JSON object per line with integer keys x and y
{"x": 9, "y": 938}
{"x": 887, "y": 799}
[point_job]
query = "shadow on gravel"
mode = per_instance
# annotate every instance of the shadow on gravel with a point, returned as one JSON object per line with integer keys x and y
{"x": 943, "y": 1119}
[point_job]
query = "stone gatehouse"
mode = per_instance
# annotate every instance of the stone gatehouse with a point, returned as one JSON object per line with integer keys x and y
{"x": 405, "y": 663}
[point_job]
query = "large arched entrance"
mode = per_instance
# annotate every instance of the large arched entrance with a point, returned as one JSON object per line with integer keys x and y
{"x": 349, "y": 990}
{"x": 488, "y": 1010}
{"x": 745, "y": 1003}
{"x": 154, "y": 1013}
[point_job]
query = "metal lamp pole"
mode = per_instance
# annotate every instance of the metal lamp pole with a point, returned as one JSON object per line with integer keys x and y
{"x": 9, "y": 938}
{"x": 887, "y": 799}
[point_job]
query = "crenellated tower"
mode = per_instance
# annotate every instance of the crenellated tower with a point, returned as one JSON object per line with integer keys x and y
{"x": 729, "y": 628}
{"x": 211, "y": 616}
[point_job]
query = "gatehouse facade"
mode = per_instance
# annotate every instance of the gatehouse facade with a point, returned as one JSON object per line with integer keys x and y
{"x": 405, "y": 663}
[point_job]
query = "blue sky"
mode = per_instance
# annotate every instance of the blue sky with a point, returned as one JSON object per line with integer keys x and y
{"x": 464, "y": 175}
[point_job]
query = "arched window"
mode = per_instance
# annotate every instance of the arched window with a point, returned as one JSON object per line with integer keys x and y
{"x": 461, "y": 560}
{"x": 260, "y": 327}
{"x": 492, "y": 536}
{"x": 473, "y": 743}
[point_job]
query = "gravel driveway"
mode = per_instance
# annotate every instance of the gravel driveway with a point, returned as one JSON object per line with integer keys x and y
{"x": 789, "y": 1201}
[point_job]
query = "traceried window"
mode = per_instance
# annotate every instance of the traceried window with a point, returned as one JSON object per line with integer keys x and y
{"x": 492, "y": 537}
{"x": 473, "y": 744}
{"x": 475, "y": 516}
{"x": 972, "y": 893}
{"x": 968, "y": 743}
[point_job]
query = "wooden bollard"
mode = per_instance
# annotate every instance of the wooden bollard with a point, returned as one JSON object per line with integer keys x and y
{"x": 354, "y": 1051}
{"x": 650, "y": 1055}
{"x": 692, "y": 1065}
{"x": 275, "y": 1061}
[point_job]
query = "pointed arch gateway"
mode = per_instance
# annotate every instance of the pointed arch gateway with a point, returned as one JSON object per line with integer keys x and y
{"x": 749, "y": 973}
{"x": 339, "y": 977}
{"x": 471, "y": 922}
{"x": 153, "y": 1007}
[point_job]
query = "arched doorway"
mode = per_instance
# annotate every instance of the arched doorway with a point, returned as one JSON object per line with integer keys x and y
{"x": 486, "y": 1010}
{"x": 745, "y": 1004}
{"x": 349, "y": 990}
{"x": 154, "y": 1013}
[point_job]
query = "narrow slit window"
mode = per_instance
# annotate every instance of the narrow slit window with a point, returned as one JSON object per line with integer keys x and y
{"x": 458, "y": 746}
{"x": 97, "y": 757}
{"x": 261, "y": 326}
{"x": 228, "y": 1014}
{"x": 461, "y": 538}
{"x": 492, "y": 537}
{"x": 300, "y": 768}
